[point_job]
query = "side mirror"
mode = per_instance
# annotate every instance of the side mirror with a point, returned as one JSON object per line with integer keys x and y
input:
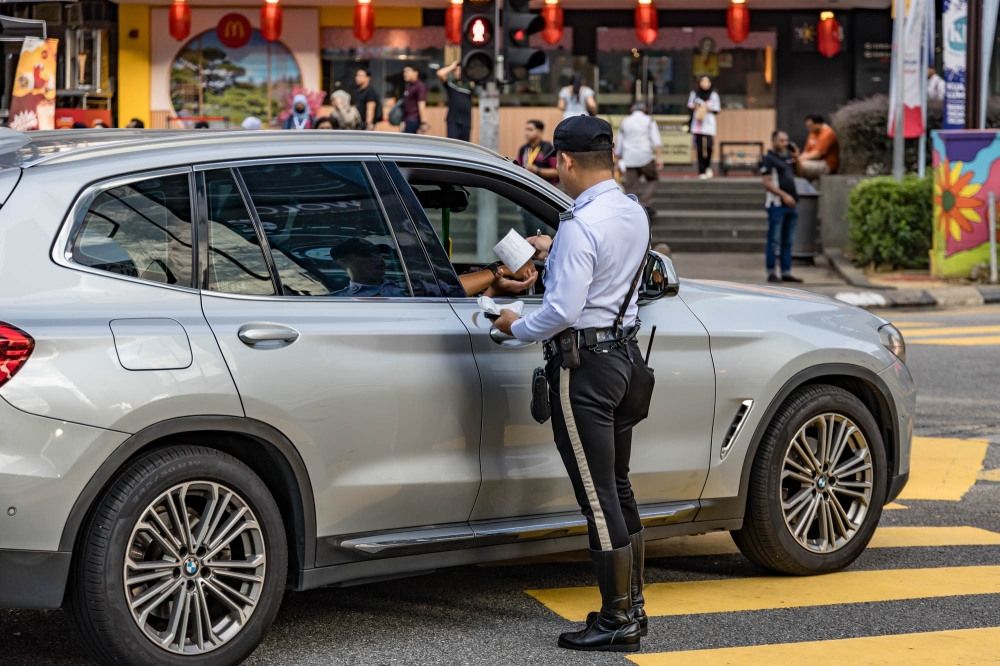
{"x": 659, "y": 279}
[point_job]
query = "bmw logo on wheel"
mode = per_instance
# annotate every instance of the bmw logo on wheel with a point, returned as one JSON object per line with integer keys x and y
{"x": 821, "y": 484}
{"x": 190, "y": 566}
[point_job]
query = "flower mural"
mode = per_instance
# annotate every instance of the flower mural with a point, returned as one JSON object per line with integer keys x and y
{"x": 954, "y": 199}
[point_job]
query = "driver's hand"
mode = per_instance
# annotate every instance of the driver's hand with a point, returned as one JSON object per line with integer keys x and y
{"x": 542, "y": 245}
{"x": 507, "y": 282}
{"x": 503, "y": 323}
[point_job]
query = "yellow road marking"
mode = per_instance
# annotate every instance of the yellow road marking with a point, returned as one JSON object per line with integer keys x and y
{"x": 959, "y": 342}
{"x": 892, "y": 506}
{"x": 943, "y": 468}
{"x": 891, "y": 315}
{"x": 915, "y": 324}
{"x": 968, "y": 647}
{"x": 748, "y": 594}
{"x": 989, "y": 475}
{"x": 953, "y": 330}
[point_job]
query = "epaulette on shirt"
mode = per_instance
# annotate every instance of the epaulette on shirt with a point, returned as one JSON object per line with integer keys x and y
{"x": 567, "y": 215}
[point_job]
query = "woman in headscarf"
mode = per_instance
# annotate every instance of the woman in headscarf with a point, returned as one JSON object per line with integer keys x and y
{"x": 299, "y": 118}
{"x": 345, "y": 115}
{"x": 704, "y": 103}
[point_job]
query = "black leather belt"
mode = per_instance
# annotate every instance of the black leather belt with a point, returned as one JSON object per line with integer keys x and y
{"x": 598, "y": 340}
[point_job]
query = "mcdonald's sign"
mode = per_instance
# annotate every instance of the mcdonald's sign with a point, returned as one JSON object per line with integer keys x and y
{"x": 234, "y": 30}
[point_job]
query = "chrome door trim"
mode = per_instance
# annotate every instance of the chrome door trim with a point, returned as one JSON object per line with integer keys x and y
{"x": 331, "y": 299}
{"x": 60, "y": 252}
{"x": 236, "y": 164}
{"x": 428, "y": 538}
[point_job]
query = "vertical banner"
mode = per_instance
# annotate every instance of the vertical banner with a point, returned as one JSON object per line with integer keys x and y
{"x": 914, "y": 73}
{"x": 953, "y": 39}
{"x": 33, "y": 98}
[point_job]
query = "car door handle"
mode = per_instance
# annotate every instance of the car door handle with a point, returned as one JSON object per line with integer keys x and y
{"x": 505, "y": 340}
{"x": 267, "y": 336}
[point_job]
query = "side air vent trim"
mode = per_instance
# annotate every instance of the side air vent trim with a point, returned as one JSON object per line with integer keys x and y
{"x": 735, "y": 427}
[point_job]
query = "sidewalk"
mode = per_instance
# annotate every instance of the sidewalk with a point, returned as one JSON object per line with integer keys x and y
{"x": 832, "y": 275}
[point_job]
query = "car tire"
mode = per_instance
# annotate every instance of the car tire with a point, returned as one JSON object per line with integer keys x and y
{"x": 800, "y": 528}
{"x": 238, "y": 555}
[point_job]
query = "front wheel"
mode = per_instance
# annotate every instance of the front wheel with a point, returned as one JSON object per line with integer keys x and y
{"x": 817, "y": 484}
{"x": 183, "y": 562}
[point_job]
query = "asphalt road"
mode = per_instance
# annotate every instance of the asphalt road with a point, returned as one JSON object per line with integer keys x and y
{"x": 924, "y": 592}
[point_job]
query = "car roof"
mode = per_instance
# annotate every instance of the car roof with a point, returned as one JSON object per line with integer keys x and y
{"x": 32, "y": 149}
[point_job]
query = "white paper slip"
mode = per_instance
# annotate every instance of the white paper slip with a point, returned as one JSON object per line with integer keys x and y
{"x": 514, "y": 251}
{"x": 489, "y": 306}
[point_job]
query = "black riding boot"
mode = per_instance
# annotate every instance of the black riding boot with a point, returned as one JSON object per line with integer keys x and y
{"x": 614, "y": 629}
{"x": 638, "y": 601}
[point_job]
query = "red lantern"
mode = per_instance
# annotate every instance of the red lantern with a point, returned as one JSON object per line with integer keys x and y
{"x": 828, "y": 35}
{"x": 553, "y": 14}
{"x": 453, "y": 22}
{"x": 738, "y": 21}
{"x": 647, "y": 22}
{"x": 364, "y": 20}
{"x": 180, "y": 20}
{"x": 270, "y": 21}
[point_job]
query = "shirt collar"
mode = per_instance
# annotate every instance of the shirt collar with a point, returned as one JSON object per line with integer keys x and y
{"x": 596, "y": 190}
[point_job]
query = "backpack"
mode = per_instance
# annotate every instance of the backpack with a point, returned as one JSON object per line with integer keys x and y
{"x": 396, "y": 113}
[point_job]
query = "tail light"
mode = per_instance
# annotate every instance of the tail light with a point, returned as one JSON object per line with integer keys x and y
{"x": 15, "y": 348}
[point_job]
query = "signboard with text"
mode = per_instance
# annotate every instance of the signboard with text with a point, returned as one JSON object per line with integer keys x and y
{"x": 953, "y": 40}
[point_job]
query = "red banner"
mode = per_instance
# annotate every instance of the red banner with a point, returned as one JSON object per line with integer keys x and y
{"x": 66, "y": 118}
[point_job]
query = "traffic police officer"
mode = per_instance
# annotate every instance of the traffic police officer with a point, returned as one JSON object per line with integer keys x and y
{"x": 599, "y": 384}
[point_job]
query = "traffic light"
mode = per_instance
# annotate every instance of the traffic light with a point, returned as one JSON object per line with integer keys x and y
{"x": 479, "y": 19}
{"x": 518, "y": 26}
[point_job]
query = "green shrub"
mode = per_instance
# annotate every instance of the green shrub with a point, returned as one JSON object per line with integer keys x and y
{"x": 866, "y": 149}
{"x": 891, "y": 222}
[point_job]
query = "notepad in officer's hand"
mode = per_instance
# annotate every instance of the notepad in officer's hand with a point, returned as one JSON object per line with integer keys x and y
{"x": 514, "y": 251}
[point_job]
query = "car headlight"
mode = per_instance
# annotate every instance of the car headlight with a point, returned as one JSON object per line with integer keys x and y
{"x": 892, "y": 340}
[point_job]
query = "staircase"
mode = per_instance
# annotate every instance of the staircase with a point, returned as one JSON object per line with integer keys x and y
{"x": 717, "y": 215}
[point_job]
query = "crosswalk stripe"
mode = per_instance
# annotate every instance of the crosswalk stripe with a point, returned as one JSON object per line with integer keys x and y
{"x": 969, "y": 647}
{"x": 720, "y": 543}
{"x": 748, "y": 594}
{"x": 943, "y": 468}
{"x": 950, "y": 330}
{"x": 958, "y": 342}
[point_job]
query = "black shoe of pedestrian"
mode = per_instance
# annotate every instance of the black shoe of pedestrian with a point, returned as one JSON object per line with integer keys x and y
{"x": 790, "y": 278}
{"x": 614, "y": 629}
{"x": 773, "y": 278}
{"x": 637, "y": 542}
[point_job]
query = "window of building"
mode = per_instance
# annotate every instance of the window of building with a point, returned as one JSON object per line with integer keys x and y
{"x": 325, "y": 229}
{"x": 141, "y": 230}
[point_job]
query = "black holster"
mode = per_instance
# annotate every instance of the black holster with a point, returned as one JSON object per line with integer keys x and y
{"x": 569, "y": 349}
{"x": 540, "y": 410}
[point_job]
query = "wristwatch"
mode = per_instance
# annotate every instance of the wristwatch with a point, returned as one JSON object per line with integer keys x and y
{"x": 494, "y": 268}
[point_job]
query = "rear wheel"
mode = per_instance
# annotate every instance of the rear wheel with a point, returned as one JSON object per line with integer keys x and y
{"x": 182, "y": 562}
{"x": 817, "y": 484}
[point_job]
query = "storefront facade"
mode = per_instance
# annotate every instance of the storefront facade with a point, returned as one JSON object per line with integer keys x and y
{"x": 772, "y": 79}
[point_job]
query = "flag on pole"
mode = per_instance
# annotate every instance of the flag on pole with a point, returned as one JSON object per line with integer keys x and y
{"x": 953, "y": 38}
{"x": 914, "y": 69}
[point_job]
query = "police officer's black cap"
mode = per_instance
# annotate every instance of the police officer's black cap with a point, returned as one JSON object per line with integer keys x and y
{"x": 578, "y": 134}
{"x": 353, "y": 246}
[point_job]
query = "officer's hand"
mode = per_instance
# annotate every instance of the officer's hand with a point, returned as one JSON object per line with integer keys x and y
{"x": 542, "y": 245}
{"x": 507, "y": 317}
{"x": 507, "y": 282}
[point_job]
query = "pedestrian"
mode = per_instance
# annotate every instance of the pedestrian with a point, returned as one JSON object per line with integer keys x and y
{"x": 365, "y": 100}
{"x": 344, "y": 116}
{"x": 935, "y": 85}
{"x": 414, "y": 102}
{"x": 251, "y": 123}
{"x": 777, "y": 171}
{"x": 135, "y": 123}
{"x": 599, "y": 385}
{"x": 821, "y": 154}
{"x": 326, "y": 123}
{"x": 577, "y": 99}
{"x": 705, "y": 104}
{"x": 539, "y": 157}
{"x": 299, "y": 118}
{"x": 459, "y": 95}
{"x": 640, "y": 150}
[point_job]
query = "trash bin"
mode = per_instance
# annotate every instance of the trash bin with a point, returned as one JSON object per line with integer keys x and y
{"x": 807, "y": 231}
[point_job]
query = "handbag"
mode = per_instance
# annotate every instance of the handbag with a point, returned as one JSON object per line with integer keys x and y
{"x": 640, "y": 387}
{"x": 396, "y": 113}
{"x": 700, "y": 113}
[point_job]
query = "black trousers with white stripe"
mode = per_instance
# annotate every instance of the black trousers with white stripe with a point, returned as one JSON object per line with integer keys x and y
{"x": 592, "y": 422}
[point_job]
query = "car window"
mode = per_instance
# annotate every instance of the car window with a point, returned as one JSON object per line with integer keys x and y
{"x": 235, "y": 261}
{"x": 142, "y": 230}
{"x": 325, "y": 230}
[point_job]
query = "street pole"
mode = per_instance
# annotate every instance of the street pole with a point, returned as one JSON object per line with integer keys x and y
{"x": 898, "y": 142}
{"x": 974, "y": 59}
{"x": 990, "y": 10}
{"x": 924, "y": 58}
{"x": 992, "y": 217}
{"x": 486, "y": 200}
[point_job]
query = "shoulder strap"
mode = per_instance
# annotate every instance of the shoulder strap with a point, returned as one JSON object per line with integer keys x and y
{"x": 620, "y": 319}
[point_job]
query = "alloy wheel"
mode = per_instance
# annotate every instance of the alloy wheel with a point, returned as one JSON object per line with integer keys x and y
{"x": 826, "y": 483}
{"x": 194, "y": 567}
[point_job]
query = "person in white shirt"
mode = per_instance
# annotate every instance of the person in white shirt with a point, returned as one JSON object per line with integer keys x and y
{"x": 577, "y": 99}
{"x": 935, "y": 85}
{"x": 639, "y": 150}
{"x": 704, "y": 104}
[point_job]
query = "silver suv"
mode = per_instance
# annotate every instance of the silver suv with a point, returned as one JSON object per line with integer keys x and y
{"x": 234, "y": 363}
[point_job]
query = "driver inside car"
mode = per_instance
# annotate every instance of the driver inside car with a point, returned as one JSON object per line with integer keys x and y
{"x": 363, "y": 262}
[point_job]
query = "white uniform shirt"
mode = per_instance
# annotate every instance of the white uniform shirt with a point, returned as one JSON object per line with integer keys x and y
{"x": 638, "y": 136}
{"x": 591, "y": 265}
